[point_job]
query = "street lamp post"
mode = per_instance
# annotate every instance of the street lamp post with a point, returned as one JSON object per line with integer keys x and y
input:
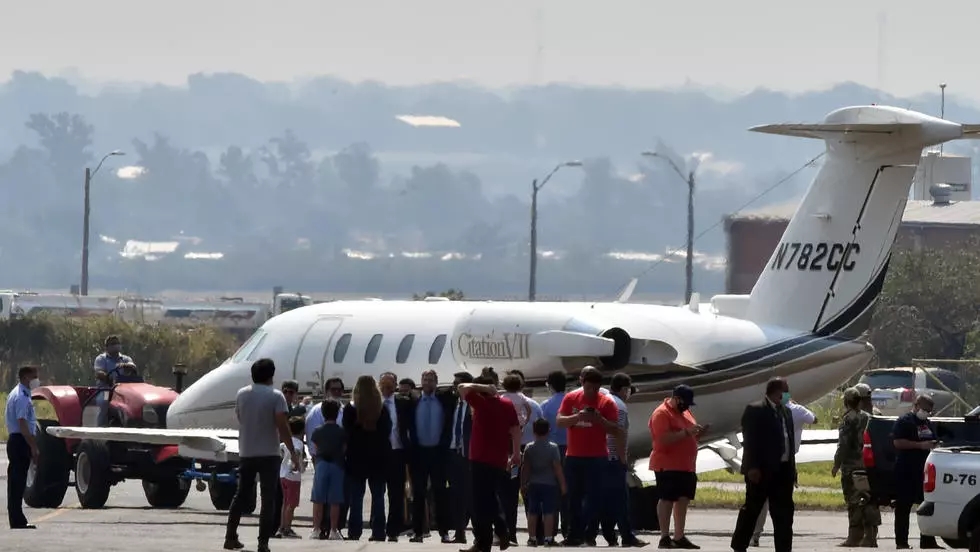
{"x": 89, "y": 174}
{"x": 535, "y": 188}
{"x": 689, "y": 265}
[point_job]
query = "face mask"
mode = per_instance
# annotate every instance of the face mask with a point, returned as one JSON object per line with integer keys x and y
{"x": 785, "y": 400}
{"x": 922, "y": 415}
{"x": 34, "y": 383}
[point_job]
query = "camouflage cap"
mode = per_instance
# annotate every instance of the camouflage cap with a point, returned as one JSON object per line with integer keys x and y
{"x": 851, "y": 394}
{"x": 863, "y": 389}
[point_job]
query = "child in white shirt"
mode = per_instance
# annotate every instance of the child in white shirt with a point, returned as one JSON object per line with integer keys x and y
{"x": 291, "y": 480}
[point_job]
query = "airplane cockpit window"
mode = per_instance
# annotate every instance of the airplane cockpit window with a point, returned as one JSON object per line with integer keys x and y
{"x": 340, "y": 351}
{"x": 435, "y": 351}
{"x": 372, "y": 349}
{"x": 404, "y": 348}
{"x": 246, "y": 349}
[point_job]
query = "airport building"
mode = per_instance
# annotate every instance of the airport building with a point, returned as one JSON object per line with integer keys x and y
{"x": 940, "y": 212}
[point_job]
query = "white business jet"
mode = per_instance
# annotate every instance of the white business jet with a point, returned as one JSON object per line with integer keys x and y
{"x": 804, "y": 319}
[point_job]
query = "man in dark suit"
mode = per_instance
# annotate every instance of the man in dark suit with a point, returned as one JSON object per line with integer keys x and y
{"x": 430, "y": 436}
{"x": 769, "y": 467}
{"x": 460, "y": 483}
{"x": 400, "y": 408}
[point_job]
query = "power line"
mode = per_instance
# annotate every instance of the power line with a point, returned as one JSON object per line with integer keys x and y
{"x": 780, "y": 182}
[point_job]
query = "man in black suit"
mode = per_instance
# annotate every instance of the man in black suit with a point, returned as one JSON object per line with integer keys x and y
{"x": 400, "y": 408}
{"x": 460, "y": 483}
{"x": 430, "y": 435}
{"x": 769, "y": 467}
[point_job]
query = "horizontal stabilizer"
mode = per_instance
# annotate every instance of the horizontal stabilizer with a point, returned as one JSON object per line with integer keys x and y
{"x": 824, "y": 130}
{"x": 560, "y": 343}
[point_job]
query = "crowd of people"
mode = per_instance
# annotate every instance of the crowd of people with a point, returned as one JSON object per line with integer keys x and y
{"x": 478, "y": 448}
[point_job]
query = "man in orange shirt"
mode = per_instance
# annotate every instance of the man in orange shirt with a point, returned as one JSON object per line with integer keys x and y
{"x": 589, "y": 417}
{"x": 675, "y": 434}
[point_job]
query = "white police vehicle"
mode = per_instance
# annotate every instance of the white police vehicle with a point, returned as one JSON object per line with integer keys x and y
{"x": 951, "y": 509}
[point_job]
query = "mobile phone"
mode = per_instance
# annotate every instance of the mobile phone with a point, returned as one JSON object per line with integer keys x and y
{"x": 588, "y": 409}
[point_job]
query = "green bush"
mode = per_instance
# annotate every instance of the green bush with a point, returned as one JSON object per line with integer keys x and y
{"x": 65, "y": 348}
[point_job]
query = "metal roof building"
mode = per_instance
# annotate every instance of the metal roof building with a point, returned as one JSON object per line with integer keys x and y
{"x": 753, "y": 235}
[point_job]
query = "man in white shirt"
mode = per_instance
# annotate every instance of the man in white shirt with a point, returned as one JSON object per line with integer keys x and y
{"x": 398, "y": 408}
{"x": 801, "y": 416}
{"x": 460, "y": 484}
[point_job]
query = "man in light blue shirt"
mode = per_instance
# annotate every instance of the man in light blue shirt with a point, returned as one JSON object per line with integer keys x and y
{"x": 22, "y": 448}
{"x": 430, "y": 454}
{"x": 557, "y": 382}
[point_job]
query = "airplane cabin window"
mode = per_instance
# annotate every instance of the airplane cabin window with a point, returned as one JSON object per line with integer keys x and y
{"x": 372, "y": 349}
{"x": 404, "y": 348}
{"x": 246, "y": 349}
{"x": 435, "y": 351}
{"x": 340, "y": 351}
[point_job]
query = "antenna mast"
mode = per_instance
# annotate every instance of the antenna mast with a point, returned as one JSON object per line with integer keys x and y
{"x": 882, "y": 23}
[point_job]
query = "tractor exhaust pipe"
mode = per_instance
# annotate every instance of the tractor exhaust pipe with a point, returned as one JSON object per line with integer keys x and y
{"x": 179, "y": 372}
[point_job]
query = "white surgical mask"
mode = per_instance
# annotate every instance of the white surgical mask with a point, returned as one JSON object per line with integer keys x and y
{"x": 922, "y": 414}
{"x": 34, "y": 383}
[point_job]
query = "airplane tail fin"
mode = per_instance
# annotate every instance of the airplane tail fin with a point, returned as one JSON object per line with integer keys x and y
{"x": 828, "y": 269}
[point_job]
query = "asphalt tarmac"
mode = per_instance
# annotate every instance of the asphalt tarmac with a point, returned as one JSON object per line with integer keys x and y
{"x": 127, "y": 523}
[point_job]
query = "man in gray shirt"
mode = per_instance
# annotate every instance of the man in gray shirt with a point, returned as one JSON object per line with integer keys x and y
{"x": 262, "y": 424}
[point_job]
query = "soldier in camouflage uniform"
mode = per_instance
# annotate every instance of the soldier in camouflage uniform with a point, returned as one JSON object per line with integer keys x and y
{"x": 862, "y": 516}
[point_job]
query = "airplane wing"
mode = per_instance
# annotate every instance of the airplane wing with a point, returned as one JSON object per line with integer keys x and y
{"x": 220, "y": 445}
{"x": 817, "y": 445}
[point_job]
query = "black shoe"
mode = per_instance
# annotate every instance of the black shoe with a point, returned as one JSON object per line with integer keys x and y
{"x": 460, "y": 538}
{"x": 685, "y": 544}
{"x": 634, "y": 543}
{"x": 376, "y": 539}
{"x": 904, "y": 546}
{"x": 392, "y": 539}
{"x": 263, "y": 547}
{"x": 27, "y": 526}
{"x": 666, "y": 543}
{"x": 233, "y": 544}
{"x": 590, "y": 543}
{"x": 416, "y": 538}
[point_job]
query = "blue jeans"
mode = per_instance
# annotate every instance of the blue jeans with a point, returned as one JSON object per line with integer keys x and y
{"x": 584, "y": 492}
{"x": 355, "y": 524}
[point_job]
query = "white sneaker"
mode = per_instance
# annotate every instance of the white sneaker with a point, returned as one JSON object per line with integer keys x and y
{"x": 315, "y": 534}
{"x": 335, "y": 535}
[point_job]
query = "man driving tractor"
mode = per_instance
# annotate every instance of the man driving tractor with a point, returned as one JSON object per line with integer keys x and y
{"x": 111, "y": 367}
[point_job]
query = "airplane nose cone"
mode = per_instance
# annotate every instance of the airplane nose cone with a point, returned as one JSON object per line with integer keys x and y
{"x": 176, "y": 415}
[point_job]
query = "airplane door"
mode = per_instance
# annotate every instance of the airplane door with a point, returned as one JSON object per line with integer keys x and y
{"x": 309, "y": 364}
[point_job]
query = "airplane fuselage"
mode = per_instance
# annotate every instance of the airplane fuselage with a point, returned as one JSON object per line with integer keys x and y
{"x": 725, "y": 359}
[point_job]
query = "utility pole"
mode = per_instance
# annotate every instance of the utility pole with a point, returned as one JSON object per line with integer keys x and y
{"x": 89, "y": 174}
{"x": 88, "y": 183}
{"x": 533, "y": 283}
{"x": 689, "y": 180}
{"x": 942, "y": 108}
{"x": 535, "y": 188}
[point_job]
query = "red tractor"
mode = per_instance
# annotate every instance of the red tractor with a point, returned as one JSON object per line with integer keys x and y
{"x": 98, "y": 465}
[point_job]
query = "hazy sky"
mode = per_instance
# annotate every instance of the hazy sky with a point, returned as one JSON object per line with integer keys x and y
{"x": 637, "y": 43}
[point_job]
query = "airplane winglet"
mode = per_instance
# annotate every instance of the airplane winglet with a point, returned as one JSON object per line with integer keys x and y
{"x": 627, "y": 292}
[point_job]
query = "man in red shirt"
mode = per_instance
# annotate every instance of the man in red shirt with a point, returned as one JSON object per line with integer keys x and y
{"x": 589, "y": 417}
{"x": 675, "y": 433}
{"x": 495, "y": 447}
